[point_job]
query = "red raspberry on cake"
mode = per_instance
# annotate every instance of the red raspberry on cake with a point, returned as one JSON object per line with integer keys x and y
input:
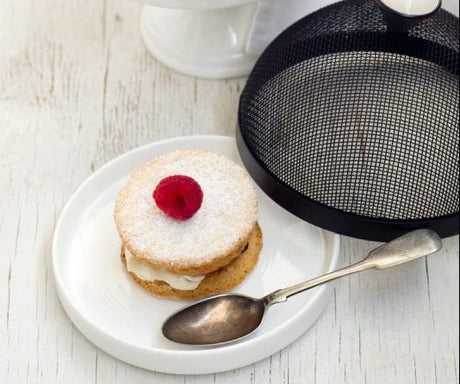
{"x": 178, "y": 196}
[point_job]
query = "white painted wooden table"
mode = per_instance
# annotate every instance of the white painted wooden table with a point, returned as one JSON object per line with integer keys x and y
{"x": 77, "y": 88}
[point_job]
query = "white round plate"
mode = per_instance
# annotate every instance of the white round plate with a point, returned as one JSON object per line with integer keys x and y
{"x": 123, "y": 320}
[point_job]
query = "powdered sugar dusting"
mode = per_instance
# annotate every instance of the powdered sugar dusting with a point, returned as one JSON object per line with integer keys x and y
{"x": 227, "y": 215}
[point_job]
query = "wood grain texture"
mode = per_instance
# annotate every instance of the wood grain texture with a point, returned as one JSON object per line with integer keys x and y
{"x": 78, "y": 88}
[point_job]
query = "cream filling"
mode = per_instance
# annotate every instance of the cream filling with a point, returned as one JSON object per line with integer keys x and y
{"x": 145, "y": 271}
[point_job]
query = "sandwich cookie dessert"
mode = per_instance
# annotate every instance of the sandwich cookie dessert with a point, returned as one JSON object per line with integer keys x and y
{"x": 188, "y": 225}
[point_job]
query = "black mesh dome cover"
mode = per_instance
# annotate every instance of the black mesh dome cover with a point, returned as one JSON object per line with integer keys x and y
{"x": 355, "y": 127}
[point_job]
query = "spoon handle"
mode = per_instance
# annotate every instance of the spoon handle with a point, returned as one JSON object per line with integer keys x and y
{"x": 282, "y": 294}
{"x": 410, "y": 246}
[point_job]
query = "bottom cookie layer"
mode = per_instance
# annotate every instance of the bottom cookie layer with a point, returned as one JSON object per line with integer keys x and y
{"x": 215, "y": 282}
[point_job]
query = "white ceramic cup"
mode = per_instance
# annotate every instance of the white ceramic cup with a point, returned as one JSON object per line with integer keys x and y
{"x": 217, "y": 38}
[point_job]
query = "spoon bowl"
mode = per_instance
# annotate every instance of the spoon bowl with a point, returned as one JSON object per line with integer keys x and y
{"x": 217, "y": 320}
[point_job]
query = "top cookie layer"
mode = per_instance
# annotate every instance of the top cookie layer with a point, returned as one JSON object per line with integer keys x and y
{"x": 225, "y": 219}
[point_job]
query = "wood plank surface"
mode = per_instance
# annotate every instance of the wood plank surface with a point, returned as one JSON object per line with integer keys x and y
{"x": 78, "y": 88}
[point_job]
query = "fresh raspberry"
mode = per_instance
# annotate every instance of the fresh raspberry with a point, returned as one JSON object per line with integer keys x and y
{"x": 178, "y": 196}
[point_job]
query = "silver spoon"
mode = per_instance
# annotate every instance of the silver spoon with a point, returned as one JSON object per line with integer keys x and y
{"x": 229, "y": 317}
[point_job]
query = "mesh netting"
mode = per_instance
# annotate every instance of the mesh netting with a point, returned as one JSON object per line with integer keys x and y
{"x": 359, "y": 118}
